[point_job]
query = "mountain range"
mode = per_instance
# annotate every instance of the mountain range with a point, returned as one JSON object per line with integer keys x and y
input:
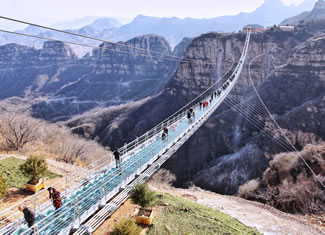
{"x": 173, "y": 29}
{"x": 316, "y": 14}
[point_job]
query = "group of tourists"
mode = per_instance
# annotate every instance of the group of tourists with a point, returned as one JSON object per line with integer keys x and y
{"x": 29, "y": 215}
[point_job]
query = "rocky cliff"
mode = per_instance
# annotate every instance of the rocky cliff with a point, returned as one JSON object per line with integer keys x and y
{"x": 74, "y": 85}
{"x": 25, "y": 70}
{"x": 294, "y": 93}
{"x": 227, "y": 151}
{"x": 111, "y": 77}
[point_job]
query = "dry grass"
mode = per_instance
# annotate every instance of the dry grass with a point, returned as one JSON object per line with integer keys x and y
{"x": 54, "y": 141}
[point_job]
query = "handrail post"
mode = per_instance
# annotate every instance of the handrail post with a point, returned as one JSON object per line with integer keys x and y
{"x": 105, "y": 192}
{"x": 122, "y": 172}
{"x": 66, "y": 185}
{"x": 39, "y": 204}
{"x": 76, "y": 212}
{"x": 146, "y": 137}
{"x": 35, "y": 209}
{"x": 136, "y": 142}
{"x": 125, "y": 148}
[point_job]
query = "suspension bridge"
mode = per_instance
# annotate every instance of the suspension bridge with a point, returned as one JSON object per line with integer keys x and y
{"x": 91, "y": 195}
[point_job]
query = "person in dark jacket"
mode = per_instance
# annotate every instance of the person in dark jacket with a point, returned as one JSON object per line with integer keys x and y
{"x": 163, "y": 136}
{"x": 28, "y": 215}
{"x": 201, "y": 105}
{"x": 117, "y": 158}
{"x": 166, "y": 131}
{"x": 189, "y": 116}
{"x": 56, "y": 198}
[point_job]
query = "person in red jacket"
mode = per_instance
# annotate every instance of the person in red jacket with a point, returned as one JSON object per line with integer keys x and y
{"x": 56, "y": 198}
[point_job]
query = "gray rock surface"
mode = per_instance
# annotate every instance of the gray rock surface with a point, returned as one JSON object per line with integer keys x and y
{"x": 74, "y": 85}
{"x": 290, "y": 80}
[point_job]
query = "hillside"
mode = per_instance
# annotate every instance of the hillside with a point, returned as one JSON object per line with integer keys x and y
{"x": 204, "y": 208}
{"x": 264, "y": 218}
{"x": 177, "y": 215}
{"x": 316, "y": 14}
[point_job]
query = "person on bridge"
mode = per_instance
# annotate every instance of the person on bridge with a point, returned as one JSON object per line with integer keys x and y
{"x": 189, "y": 116}
{"x": 56, "y": 198}
{"x": 201, "y": 105}
{"x": 163, "y": 136}
{"x": 166, "y": 131}
{"x": 117, "y": 158}
{"x": 193, "y": 114}
{"x": 28, "y": 215}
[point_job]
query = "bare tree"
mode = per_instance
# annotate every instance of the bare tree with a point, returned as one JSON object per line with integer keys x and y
{"x": 16, "y": 130}
{"x": 70, "y": 149}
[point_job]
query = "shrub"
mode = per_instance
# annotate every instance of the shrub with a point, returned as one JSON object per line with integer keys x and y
{"x": 126, "y": 226}
{"x": 289, "y": 185}
{"x": 3, "y": 187}
{"x": 34, "y": 167}
{"x": 142, "y": 196}
{"x": 283, "y": 164}
{"x": 248, "y": 189}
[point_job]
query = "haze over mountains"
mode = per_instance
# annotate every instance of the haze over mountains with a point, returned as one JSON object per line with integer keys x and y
{"x": 173, "y": 29}
{"x": 316, "y": 14}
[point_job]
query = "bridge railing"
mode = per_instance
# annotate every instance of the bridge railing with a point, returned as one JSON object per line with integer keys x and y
{"x": 65, "y": 185}
{"x": 181, "y": 113}
{"x": 90, "y": 192}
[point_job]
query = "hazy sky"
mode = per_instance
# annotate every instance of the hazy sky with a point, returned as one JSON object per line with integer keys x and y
{"x": 52, "y": 11}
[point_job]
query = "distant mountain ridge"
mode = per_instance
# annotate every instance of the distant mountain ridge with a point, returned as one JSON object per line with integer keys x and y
{"x": 173, "y": 29}
{"x": 74, "y": 85}
{"x": 317, "y": 13}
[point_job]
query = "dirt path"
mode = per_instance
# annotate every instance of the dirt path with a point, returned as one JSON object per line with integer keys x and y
{"x": 264, "y": 218}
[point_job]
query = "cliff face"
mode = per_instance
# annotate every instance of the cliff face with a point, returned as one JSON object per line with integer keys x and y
{"x": 112, "y": 78}
{"x": 295, "y": 95}
{"x": 227, "y": 151}
{"x": 104, "y": 78}
{"x": 25, "y": 70}
{"x": 301, "y": 88}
